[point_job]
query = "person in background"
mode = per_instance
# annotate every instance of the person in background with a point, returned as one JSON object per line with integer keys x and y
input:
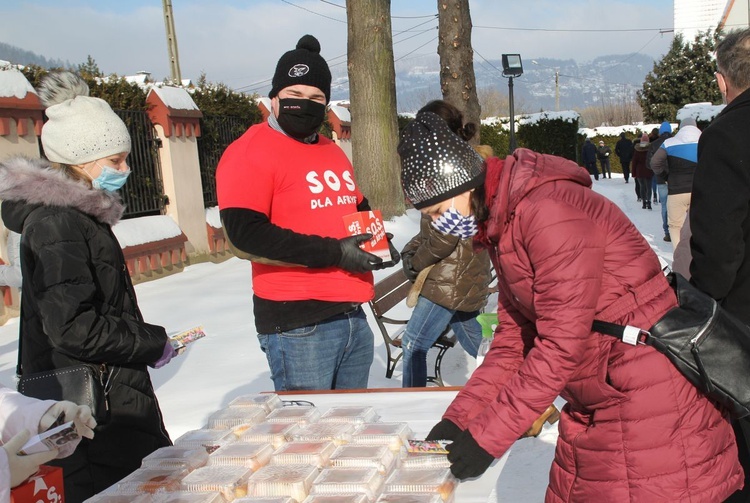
{"x": 21, "y": 417}
{"x": 720, "y": 205}
{"x": 624, "y": 150}
{"x": 676, "y": 160}
{"x": 454, "y": 278}
{"x": 566, "y": 255}
{"x": 637, "y": 186}
{"x": 641, "y": 173}
{"x": 588, "y": 157}
{"x": 283, "y": 192}
{"x": 659, "y": 182}
{"x": 10, "y": 273}
{"x": 602, "y": 153}
{"x": 78, "y": 304}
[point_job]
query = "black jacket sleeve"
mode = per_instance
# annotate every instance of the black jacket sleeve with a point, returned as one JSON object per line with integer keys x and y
{"x": 252, "y": 232}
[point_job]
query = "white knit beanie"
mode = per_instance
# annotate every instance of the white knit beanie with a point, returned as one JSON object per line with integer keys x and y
{"x": 80, "y": 129}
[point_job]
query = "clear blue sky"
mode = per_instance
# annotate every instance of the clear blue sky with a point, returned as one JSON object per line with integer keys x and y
{"x": 238, "y": 41}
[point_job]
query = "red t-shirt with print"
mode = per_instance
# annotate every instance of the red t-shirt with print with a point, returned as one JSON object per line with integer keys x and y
{"x": 307, "y": 188}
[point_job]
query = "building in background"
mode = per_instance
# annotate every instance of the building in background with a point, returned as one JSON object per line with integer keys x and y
{"x": 736, "y": 15}
{"x": 694, "y": 16}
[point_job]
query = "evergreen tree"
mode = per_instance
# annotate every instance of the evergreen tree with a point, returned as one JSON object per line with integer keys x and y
{"x": 684, "y": 75}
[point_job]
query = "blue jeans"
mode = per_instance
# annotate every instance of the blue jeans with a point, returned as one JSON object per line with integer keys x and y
{"x": 333, "y": 354}
{"x": 427, "y": 322}
{"x": 661, "y": 191}
{"x": 653, "y": 186}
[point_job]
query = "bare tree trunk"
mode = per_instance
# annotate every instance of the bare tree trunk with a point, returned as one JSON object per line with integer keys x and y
{"x": 457, "y": 80}
{"x": 372, "y": 90}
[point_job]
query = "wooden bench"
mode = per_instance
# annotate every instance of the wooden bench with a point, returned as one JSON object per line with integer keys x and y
{"x": 389, "y": 292}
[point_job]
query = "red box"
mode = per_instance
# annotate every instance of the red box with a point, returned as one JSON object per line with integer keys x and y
{"x": 369, "y": 222}
{"x": 45, "y": 486}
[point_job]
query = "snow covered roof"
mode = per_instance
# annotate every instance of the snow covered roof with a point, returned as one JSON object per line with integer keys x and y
{"x": 176, "y": 98}
{"x": 616, "y": 130}
{"x": 566, "y": 116}
{"x": 13, "y": 83}
{"x": 137, "y": 231}
{"x": 699, "y": 111}
{"x": 341, "y": 112}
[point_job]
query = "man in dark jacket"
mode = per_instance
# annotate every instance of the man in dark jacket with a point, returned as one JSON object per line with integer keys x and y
{"x": 588, "y": 158}
{"x": 624, "y": 150}
{"x": 720, "y": 205}
{"x": 602, "y": 153}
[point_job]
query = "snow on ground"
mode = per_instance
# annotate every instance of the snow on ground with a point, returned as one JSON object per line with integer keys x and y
{"x": 228, "y": 362}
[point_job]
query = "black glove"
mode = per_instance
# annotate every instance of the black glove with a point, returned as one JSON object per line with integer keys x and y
{"x": 444, "y": 430}
{"x": 411, "y": 274}
{"x": 354, "y": 258}
{"x": 468, "y": 458}
{"x": 395, "y": 255}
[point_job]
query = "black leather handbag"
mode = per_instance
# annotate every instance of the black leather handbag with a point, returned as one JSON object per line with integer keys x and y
{"x": 708, "y": 345}
{"x": 81, "y": 384}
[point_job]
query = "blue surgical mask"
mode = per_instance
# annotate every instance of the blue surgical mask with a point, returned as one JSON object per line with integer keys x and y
{"x": 110, "y": 179}
{"x": 454, "y": 223}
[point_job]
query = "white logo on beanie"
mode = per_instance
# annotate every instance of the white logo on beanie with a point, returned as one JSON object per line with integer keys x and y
{"x": 298, "y": 70}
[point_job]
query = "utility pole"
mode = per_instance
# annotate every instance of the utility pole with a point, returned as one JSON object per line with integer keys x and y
{"x": 557, "y": 90}
{"x": 174, "y": 58}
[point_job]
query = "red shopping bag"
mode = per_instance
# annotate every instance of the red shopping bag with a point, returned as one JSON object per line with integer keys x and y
{"x": 45, "y": 486}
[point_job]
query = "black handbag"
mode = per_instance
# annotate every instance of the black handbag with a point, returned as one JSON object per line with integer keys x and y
{"x": 708, "y": 345}
{"x": 82, "y": 384}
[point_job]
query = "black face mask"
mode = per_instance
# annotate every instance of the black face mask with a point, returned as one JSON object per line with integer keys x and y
{"x": 300, "y": 118}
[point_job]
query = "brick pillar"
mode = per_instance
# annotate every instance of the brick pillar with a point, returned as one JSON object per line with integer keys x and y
{"x": 177, "y": 121}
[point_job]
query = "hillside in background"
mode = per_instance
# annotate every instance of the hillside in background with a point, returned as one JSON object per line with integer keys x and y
{"x": 19, "y": 56}
{"x": 611, "y": 78}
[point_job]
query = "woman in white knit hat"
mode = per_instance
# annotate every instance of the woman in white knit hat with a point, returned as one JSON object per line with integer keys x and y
{"x": 78, "y": 304}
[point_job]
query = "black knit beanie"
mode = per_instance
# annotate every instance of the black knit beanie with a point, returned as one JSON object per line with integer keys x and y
{"x": 436, "y": 164}
{"x": 303, "y": 65}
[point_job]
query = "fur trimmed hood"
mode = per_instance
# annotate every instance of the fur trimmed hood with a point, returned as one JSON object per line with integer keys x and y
{"x": 34, "y": 182}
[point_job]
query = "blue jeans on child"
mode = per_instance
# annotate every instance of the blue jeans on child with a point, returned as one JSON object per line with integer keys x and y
{"x": 333, "y": 354}
{"x": 427, "y": 322}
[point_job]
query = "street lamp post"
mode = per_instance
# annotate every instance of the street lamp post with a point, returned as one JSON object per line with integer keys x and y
{"x": 512, "y": 67}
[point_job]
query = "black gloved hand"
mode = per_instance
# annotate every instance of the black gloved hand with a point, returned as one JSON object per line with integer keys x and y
{"x": 409, "y": 271}
{"x": 444, "y": 430}
{"x": 468, "y": 458}
{"x": 354, "y": 258}
{"x": 395, "y": 255}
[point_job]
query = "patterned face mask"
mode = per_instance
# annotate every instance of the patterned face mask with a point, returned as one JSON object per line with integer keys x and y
{"x": 454, "y": 223}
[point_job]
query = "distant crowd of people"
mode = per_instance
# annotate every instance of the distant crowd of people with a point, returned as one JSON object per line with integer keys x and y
{"x": 633, "y": 427}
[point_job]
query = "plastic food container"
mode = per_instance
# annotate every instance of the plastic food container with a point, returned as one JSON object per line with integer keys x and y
{"x": 188, "y": 497}
{"x": 208, "y": 439}
{"x": 338, "y": 433}
{"x": 355, "y": 414}
{"x": 409, "y": 498}
{"x": 282, "y": 480}
{"x": 276, "y": 434}
{"x": 337, "y": 481}
{"x": 425, "y": 460}
{"x": 379, "y": 457}
{"x": 430, "y": 480}
{"x": 229, "y": 481}
{"x": 266, "y": 401}
{"x": 260, "y": 499}
{"x": 336, "y": 498}
{"x": 235, "y": 417}
{"x": 308, "y": 453}
{"x": 112, "y": 497}
{"x": 394, "y": 435}
{"x": 151, "y": 480}
{"x": 300, "y": 414}
{"x": 174, "y": 456}
{"x": 253, "y": 456}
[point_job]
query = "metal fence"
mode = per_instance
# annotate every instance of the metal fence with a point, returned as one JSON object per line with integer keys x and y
{"x": 217, "y": 132}
{"x": 144, "y": 193}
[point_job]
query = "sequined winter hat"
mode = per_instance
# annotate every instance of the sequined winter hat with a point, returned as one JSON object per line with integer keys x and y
{"x": 436, "y": 164}
{"x": 80, "y": 128}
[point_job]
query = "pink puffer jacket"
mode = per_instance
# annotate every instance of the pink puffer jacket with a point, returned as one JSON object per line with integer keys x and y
{"x": 633, "y": 429}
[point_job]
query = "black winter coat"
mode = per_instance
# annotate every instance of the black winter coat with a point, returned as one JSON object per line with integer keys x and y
{"x": 588, "y": 153}
{"x": 720, "y": 209}
{"x": 624, "y": 150}
{"x": 78, "y": 305}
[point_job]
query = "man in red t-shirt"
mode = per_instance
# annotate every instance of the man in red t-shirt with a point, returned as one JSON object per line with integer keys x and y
{"x": 283, "y": 192}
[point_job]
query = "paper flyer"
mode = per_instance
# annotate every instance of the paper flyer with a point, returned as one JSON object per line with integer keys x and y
{"x": 180, "y": 340}
{"x": 54, "y": 438}
{"x": 428, "y": 446}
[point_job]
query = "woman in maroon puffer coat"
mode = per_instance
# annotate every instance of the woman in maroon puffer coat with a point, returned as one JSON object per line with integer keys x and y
{"x": 633, "y": 428}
